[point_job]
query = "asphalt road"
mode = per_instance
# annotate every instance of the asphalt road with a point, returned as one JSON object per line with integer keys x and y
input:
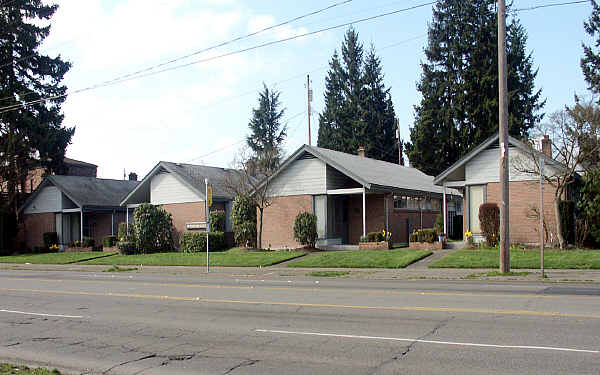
{"x": 134, "y": 323}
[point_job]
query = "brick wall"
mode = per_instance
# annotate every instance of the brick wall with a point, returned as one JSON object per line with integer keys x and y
{"x": 35, "y": 225}
{"x": 80, "y": 170}
{"x": 184, "y": 213}
{"x": 100, "y": 224}
{"x": 278, "y": 220}
{"x": 523, "y": 195}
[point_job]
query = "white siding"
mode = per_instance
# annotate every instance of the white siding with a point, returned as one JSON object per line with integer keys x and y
{"x": 484, "y": 167}
{"x": 304, "y": 176}
{"x": 166, "y": 188}
{"x": 48, "y": 200}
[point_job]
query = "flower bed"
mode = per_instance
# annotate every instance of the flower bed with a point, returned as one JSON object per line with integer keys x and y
{"x": 426, "y": 245}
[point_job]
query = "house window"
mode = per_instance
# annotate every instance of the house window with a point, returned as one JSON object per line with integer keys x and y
{"x": 402, "y": 202}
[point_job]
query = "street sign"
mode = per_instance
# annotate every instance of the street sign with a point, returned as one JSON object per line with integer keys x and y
{"x": 209, "y": 198}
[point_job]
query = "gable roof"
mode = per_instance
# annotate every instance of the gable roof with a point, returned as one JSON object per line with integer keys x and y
{"x": 192, "y": 176}
{"x": 485, "y": 145}
{"x": 87, "y": 191}
{"x": 371, "y": 173}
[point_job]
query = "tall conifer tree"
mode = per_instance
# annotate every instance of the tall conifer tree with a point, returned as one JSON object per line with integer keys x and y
{"x": 590, "y": 63}
{"x": 32, "y": 135}
{"x": 358, "y": 107}
{"x": 459, "y": 84}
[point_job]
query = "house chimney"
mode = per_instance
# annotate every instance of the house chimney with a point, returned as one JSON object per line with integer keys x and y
{"x": 361, "y": 152}
{"x": 132, "y": 176}
{"x": 547, "y": 146}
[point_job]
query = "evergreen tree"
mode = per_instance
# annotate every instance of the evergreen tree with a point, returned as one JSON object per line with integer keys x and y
{"x": 358, "y": 107}
{"x": 31, "y": 135}
{"x": 266, "y": 131}
{"x": 459, "y": 84}
{"x": 590, "y": 63}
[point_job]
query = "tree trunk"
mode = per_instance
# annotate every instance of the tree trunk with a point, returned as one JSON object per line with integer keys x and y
{"x": 559, "y": 235}
{"x": 260, "y": 228}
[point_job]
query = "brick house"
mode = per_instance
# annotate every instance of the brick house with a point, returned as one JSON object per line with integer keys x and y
{"x": 476, "y": 175}
{"x": 71, "y": 167}
{"x": 74, "y": 207}
{"x": 180, "y": 189}
{"x": 351, "y": 195}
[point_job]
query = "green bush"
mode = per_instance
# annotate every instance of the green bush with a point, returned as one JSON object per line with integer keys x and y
{"x": 217, "y": 221}
{"x": 243, "y": 220}
{"x": 153, "y": 228}
{"x": 109, "y": 241}
{"x": 363, "y": 239}
{"x": 489, "y": 217}
{"x": 567, "y": 218}
{"x": 195, "y": 242}
{"x": 375, "y": 237}
{"x": 127, "y": 247}
{"x": 305, "y": 228}
{"x": 50, "y": 238}
{"x": 589, "y": 209}
{"x": 424, "y": 235}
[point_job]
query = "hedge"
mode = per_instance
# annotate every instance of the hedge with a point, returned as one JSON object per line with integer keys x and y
{"x": 127, "y": 247}
{"x": 195, "y": 242}
{"x": 243, "y": 220}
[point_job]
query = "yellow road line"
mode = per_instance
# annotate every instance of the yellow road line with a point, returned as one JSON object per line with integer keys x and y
{"x": 324, "y": 289}
{"x": 318, "y": 305}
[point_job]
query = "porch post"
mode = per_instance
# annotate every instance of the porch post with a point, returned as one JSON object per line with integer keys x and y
{"x": 364, "y": 211}
{"x": 387, "y": 212}
{"x": 81, "y": 224}
{"x": 445, "y": 208}
{"x": 112, "y": 223}
{"x": 127, "y": 217}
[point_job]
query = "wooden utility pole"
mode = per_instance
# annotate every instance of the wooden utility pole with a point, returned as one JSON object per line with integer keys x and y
{"x": 503, "y": 129}
{"x": 542, "y": 232}
{"x": 309, "y": 95}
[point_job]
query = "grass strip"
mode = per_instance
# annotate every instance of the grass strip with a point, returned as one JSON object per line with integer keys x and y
{"x": 8, "y": 369}
{"x": 55, "y": 258}
{"x": 362, "y": 259}
{"x": 490, "y": 258}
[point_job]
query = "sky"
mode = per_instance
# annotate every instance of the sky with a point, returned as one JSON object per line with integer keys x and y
{"x": 199, "y": 114}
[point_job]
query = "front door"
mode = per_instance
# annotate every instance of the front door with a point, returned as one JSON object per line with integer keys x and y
{"x": 476, "y": 199}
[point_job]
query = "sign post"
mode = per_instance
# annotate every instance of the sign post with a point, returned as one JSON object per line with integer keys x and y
{"x": 207, "y": 207}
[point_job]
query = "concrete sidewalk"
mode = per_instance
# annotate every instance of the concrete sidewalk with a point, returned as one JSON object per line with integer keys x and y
{"x": 409, "y": 273}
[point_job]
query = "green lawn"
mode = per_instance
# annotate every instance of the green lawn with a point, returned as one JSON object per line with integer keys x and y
{"x": 54, "y": 258}
{"x": 490, "y": 258}
{"x": 362, "y": 259}
{"x": 231, "y": 258}
{"x": 6, "y": 369}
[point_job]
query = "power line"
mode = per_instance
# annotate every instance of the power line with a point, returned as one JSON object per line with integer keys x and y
{"x": 551, "y": 5}
{"x": 238, "y": 142}
{"x": 112, "y": 82}
{"x": 237, "y": 39}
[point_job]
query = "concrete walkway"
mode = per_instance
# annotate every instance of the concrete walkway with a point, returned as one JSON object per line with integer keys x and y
{"x": 425, "y": 262}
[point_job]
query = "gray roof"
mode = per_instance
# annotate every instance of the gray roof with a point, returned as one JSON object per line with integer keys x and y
{"x": 193, "y": 177}
{"x": 79, "y": 163}
{"x": 88, "y": 191}
{"x": 372, "y": 173}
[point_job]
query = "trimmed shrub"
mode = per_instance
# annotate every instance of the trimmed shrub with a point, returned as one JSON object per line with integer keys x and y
{"x": 363, "y": 239}
{"x": 375, "y": 237}
{"x": 153, "y": 228}
{"x": 195, "y": 242}
{"x": 489, "y": 217}
{"x": 243, "y": 220}
{"x": 567, "y": 219}
{"x": 88, "y": 242}
{"x": 109, "y": 241}
{"x": 127, "y": 247}
{"x": 217, "y": 221}
{"x": 50, "y": 238}
{"x": 305, "y": 228}
{"x": 424, "y": 235}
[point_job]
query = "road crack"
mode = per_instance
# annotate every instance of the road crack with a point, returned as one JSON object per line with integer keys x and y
{"x": 128, "y": 362}
{"x": 245, "y": 363}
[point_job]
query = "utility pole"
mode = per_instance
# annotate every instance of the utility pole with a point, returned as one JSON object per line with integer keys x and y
{"x": 503, "y": 129}
{"x": 309, "y": 94}
{"x": 542, "y": 232}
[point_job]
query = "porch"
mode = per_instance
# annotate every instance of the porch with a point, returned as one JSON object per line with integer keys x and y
{"x": 76, "y": 223}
